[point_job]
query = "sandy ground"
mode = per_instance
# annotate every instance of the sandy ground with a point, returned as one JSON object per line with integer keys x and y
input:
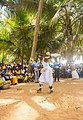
{"x": 22, "y": 102}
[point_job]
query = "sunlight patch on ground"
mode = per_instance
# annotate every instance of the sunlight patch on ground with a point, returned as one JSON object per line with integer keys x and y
{"x": 62, "y": 81}
{"x": 81, "y": 106}
{"x": 7, "y": 101}
{"x": 80, "y": 98}
{"x": 81, "y": 92}
{"x": 22, "y": 111}
{"x": 41, "y": 101}
{"x": 74, "y": 83}
{"x": 32, "y": 91}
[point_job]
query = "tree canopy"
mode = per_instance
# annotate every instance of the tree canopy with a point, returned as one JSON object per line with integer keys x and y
{"x": 61, "y": 28}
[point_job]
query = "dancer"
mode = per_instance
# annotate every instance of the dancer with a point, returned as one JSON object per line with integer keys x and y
{"x": 46, "y": 76}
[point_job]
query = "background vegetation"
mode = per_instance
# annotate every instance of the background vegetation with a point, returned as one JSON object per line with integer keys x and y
{"x": 61, "y": 28}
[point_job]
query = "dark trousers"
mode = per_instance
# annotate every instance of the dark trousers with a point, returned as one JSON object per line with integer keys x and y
{"x": 56, "y": 74}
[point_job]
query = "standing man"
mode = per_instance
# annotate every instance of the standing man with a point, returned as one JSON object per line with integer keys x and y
{"x": 56, "y": 67}
{"x": 36, "y": 70}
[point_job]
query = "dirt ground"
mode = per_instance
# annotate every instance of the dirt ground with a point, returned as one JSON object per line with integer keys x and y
{"x": 22, "y": 102}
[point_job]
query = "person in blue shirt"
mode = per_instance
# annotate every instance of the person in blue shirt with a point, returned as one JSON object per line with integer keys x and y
{"x": 36, "y": 70}
{"x": 56, "y": 67}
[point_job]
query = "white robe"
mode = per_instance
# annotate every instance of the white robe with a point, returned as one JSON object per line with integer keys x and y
{"x": 75, "y": 74}
{"x": 46, "y": 76}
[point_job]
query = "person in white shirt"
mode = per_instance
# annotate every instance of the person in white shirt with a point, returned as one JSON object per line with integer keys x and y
{"x": 74, "y": 73}
{"x": 46, "y": 76}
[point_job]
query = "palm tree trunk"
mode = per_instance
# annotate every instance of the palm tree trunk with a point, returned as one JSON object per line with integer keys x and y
{"x": 69, "y": 36}
{"x": 37, "y": 28}
{"x": 22, "y": 58}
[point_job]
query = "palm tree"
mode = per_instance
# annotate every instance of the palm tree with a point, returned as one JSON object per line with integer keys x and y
{"x": 69, "y": 15}
{"x": 37, "y": 28}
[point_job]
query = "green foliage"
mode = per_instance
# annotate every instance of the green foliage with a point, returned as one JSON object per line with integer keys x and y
{"x": 17, "y": 30}
{"x": 69, "y": 19}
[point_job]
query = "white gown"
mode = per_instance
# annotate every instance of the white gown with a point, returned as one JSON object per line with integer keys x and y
{"x": 75, "y": 74}
{"x": 46, "y": 76}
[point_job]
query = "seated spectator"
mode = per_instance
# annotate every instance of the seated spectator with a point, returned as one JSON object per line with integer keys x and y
{"x": 2, "y": 77}
{"x": 14, "y": 79}
{"x": 7, "y": 74}
{"x": 17, "y": 71}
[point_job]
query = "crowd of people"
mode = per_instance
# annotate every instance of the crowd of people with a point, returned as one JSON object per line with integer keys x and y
{"x": 68, "y": 71}
{"x": 15, "y": 73}
{"x": 39, "y": 71}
